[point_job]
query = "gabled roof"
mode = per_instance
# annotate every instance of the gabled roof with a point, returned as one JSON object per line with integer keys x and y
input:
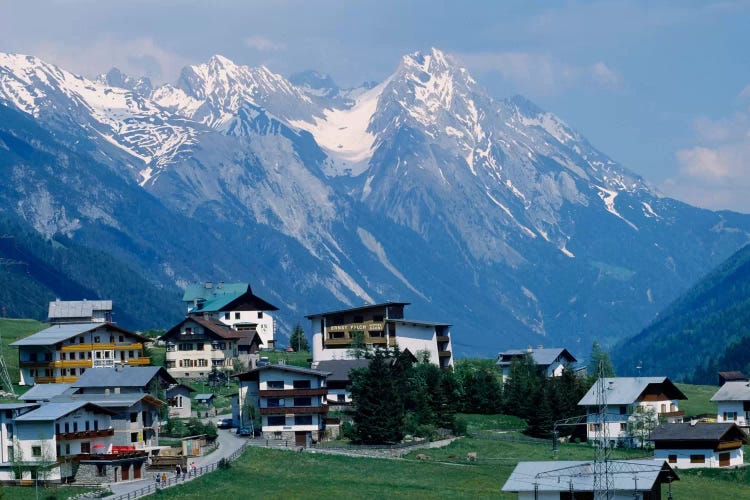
{"x": 44, "y": 392}
{"x": 628, "y": 390}
{"x": 77, "y": 308}
{"x": 725, "y": 431}
{"x": 225, "y": 297}
{"x": 17, "y": 406}
{"x": 557, "y": 476}
{"x": 357, "y": 309}
{"x": 204, "y": 397}
{"x": 249, "y": 338}
{"x": 62, "y": 332}
{"x": 732, "y": 375}
{"x": 543, "y": 356}
{"x": 174, "y": 387}
{"x": 253, "y": 374}
{"x": 214, "y": 328}
{"x": 122, "y": 400}
{"x": 53, "y": 410}
{"x": 339, "y": 368}
{"x": 122, "y": 376}
{"x": 733, "y": 391}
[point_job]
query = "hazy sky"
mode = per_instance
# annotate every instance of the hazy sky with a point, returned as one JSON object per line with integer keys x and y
{"x": 663, "y": 87}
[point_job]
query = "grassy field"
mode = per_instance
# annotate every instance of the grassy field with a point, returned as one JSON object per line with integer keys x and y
{"x": 12, "y": 330}
{"x": 699, "y": 399}
{"x": 286, "y": 474}
{"x": 50, "y": 493}
{"x": 290, "y": 358}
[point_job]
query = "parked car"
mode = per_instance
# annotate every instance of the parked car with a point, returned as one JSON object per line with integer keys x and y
{"x": 245, "y": 431}
{"x": 224, "y": 423}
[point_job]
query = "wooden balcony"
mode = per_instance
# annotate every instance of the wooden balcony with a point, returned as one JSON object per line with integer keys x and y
{"x": 72, "y": 363}
{"x": 55, "y": 380}
{"x": 444, "y": 354}
{"x": 729, "y": 445}
{"x": 68, "y": 436}
{"x": 336, "y": 342}
{"x": 443, "y": 338}
{"x": 144, "y": 360}
{"x": 672, "y": 414}
{"x": 294, "y": 410}
{"x": 286, "y": 393}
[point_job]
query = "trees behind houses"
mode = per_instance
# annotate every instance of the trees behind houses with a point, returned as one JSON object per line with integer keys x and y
{"x": 298, "y": 340}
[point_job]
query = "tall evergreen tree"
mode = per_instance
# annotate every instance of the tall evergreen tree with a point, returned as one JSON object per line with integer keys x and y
{"x": 298, "y": 340}
{"x": 599, "y": 356}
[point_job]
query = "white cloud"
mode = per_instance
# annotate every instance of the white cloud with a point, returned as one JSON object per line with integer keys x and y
{"x": 262, "y": 43}
{"x": 715, "y": 173}
{"x": 540, "y": 73}
{"x": 136, "y": 57}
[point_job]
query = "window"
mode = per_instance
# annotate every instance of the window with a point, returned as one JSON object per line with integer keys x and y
{"x": 672, "y": 459}
{"x": 67, "y": 448}
{"x": 341, "y": 398}
{"x": 302, "y": 401}
{"x": 595, "y": 427}
{"x": 178, "y": 402}
{"x": 88, "y": 425}
{"x": 75, "y": 426}
{"x": 730, "y": 415}
{"x": 275, "y": 384}
{"x": 236, "y": 315}
{"x": 80, "y": 340}
{"x": 276, "y": 420}
{"x": 199, "y": 346}
{"x": 133, "y": 437}
{"x": 67, "y": 427}
{"x": 277, "y": 435}
{"x": 663, "y": 408}
{"x": 697, "y": 459}
{"x": 85, "y": 447}
{"x": 377, "y": 317}
{"x": 623, "y": 427}
{"x": 101, "y": 470}
{"x": 301, "y": 384}
{"x": 57, "y": 428}
{"x": 122, "y": 338}
{"x": 303, "y": 420}
{"x": 97, "y": 340}
{"x": 187, "y": 346}
{"x": 275, "y": 402}
{"x": 9, "y": 430}
{"x": 96, "y": 425}
{"x": 202, "y": 362}
{"x": 623, "y": 410}
{"x": 36, "y": 451}
{"x": 358, "y": 319}
{"x": 226, "y": 316}
{"x": 188, "y": 331}
{"x": 260, "y": 314}
{"x": 62, "y": 355}
{"x": 134, "y": 417}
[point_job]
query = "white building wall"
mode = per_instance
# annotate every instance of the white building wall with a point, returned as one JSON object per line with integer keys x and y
{"x": 726, "y": 408}
{"x": 265, "y": 324}
{"x": 207, "y": 356}
{"x": 417, "y": 338}
{"x": 736, "y": 458}
{"x": 320, "y": 354}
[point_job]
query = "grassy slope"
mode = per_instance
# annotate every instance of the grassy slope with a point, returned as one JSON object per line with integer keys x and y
{"x": 699, "y": 399}
{"x": 12, "y": 330}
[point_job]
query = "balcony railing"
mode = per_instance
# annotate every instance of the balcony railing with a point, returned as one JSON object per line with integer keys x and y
{"x": 99, "y": 346}
{"x": 294, "y": 410}
{"x": 55, "y": 380}
{"x": 281, "y": 393}
{"x": 67, "y": 436}
{"x": 444, "y": 354}
{"x": 443, "y": 338}
{"x": 676, "y": 413}
{"x": 72, "y": 363}
{"x": 144, "y": 360}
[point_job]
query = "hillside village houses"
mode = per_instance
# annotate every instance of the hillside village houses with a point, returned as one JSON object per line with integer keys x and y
{"x": 626, "y": 398}
{"x": 551, "y": 360}
{"x": 334, "y": 333}
{"x": 699, "y": 444}
{"x": 733, "y": 403}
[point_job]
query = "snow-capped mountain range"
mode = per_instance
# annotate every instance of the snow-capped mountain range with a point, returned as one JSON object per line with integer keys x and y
{"x": 493, "y": 215}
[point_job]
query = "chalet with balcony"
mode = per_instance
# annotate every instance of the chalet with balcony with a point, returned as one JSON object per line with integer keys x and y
{"x": 235, "y": 305}
{"x": 698, "y": 444}
{"x": 626, "y": 397}
{"x": 335, "y": 333}
{"x": 551, "y": 360}
{"x": 339, "y": 380}
{"x": 733, "y": 403}
{"x": 291, "y": 401}
{"x": 63, "y": 352}
{"x": 198, "y": 345}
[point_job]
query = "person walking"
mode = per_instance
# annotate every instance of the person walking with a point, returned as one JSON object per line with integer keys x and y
{"x": 164, "y": 479}
{"x": 184, "y": 472}
{"x": 193, "y": 468}
{"x": 177, "y": 471}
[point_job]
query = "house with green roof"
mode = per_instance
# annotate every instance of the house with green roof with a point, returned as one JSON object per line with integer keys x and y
{"x": 235, "y": 305}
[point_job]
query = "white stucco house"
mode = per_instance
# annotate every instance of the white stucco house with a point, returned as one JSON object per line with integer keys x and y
{"x": 551, "y": 360}
{"x": 291, "y": 401}
{"x": 379, "y": 325}
{"x": 733, "y": 403}
{"x": 627, "y": 398}
{"x": 698, "y": 444}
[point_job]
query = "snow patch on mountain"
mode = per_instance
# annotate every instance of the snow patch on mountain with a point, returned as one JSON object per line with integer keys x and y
{"x": 608, "y": 197}
{"x": 351, "y": 284}
{"x": 344, "y": 133}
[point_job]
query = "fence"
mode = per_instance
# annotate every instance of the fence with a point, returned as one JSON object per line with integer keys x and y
{"x": 172, "y": 480}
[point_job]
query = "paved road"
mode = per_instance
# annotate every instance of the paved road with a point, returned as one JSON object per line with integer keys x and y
{"x": 228, "y": 441}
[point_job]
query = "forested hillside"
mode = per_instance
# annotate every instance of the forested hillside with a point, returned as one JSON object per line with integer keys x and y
{"x": 706, "y": 330}
{"x": 34, "y": 271}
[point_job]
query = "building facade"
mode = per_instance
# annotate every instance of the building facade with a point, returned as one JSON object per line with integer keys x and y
{"x": 629, "y": 401}
{"x": 335, "y": 334}
{"x": 235, "y": 305}
{"x": 698, "y": 444}
{"x": 291, "y": 402}
{"x": 196, "y": 346}
{"x": 733, "y": 403}
{"x": 63, "y": 352}
{"x": 551, "y": 360}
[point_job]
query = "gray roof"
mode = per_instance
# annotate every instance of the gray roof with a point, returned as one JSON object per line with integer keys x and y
{"x": 44, "y": 392}
{"x": 16, "y": 406}
{"x": 122, "y": 376}
{"x": 77, "y": 308}
{"x": 204, "y": 397}
{"x": 61, "y": 332}
{"x": 544, "y": 356}
{"x": 340, "y": 368}
{"x": 627, "y": 390}
{"x": 54, "y": 410}
{"x": 733, "y": 391}
{"x": 698, "y": 432}
{"x": 355, "y": 309}
{"x": 555, "y": 476}
{"x": 123, "y": 400}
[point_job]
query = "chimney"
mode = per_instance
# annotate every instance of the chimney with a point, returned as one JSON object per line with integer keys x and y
{"x": 106, "y": 392}
{"x": 209, "y": 285}
{"x": 117, "y": 390}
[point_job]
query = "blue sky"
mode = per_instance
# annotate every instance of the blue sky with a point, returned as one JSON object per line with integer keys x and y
{"x": 663, "y": 87}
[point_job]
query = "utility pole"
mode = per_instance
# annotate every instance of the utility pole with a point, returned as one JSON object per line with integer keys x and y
{"x": 603, "y": 480}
